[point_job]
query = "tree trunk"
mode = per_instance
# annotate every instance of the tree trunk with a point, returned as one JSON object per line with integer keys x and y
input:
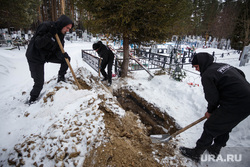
{"x": 125, "y": 56}
{"x": 53, "y": 10}
{"x": 39, "y": 15}
{"x": 62, "y": 7}
{"x": 58, "y": 12}
{"x": 45, "y": 10}
{"x": 246, "y": 21}
{"x": 247, "y": 27}
{"x": 43, "y": 15}
{"x": 72, "y": 9}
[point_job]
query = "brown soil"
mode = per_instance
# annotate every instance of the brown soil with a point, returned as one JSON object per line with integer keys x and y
{"x": 127, "y": 138}
{"x": 127, "y": 144}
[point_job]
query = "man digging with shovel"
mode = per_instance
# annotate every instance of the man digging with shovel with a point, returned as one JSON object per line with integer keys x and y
{"x": 107, "y": 60}
{"x": 43, "y": 48}
{"x": 228, "y": 95}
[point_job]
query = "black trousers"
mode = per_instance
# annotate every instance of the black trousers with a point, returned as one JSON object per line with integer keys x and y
{"x": 107, "y": 61}
{"x": 37, "y": 73}
{"x": 218, "y": 126}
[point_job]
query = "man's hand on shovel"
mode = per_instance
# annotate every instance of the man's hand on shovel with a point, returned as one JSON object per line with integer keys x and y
{"x": 67, "y": 60}
{"x": 65, "y": 55}
{"x": 207, "y": 115}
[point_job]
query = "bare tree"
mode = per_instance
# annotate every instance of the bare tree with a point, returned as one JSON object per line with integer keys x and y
{"x": 246, "y": 23}
{"x": 225, "y": 22}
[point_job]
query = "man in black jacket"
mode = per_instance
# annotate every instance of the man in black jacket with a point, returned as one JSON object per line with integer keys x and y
{"x": 43, "y": 48}
{"x": 228, "y": 95}
{"x": 107, "y": 59}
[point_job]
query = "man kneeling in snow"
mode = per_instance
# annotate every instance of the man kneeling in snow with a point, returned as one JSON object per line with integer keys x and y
{"x": 44, "y": 48}
{"x": 228, "y": 95}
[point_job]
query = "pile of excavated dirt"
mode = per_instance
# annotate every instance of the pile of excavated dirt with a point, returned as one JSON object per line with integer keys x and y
{"x": 126, "y": 138}
{"x": 128, "y": 142}
{"x": 129, "y": 145}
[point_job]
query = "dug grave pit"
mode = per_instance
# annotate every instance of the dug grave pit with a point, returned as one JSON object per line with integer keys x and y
{"x": 155, "y": 120}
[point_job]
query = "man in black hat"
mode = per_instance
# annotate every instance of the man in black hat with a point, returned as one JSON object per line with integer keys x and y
{"x": 43, "y": 48}
{"x": 107, "y": 59}
{"x": 228, "y": 95}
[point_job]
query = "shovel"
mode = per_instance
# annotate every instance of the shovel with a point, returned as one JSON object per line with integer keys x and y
{"x": 151, "y": 76}
{"x": 67, "y": 61}
{"x": 164, "y": 138}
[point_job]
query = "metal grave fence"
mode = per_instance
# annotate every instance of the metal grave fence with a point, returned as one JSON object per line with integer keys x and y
{"x": 147, "y": 59}
{"x": 89, "y": 57}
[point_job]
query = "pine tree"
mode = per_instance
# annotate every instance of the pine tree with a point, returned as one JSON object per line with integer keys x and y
{"x": 225, "y": 21}
{"x": 17, "y": 13}
{"x": 135, "y": 21}
{"x": 241, "y": 35}
{"x": 204, "y": 13}
{"x": 245, "y": 15}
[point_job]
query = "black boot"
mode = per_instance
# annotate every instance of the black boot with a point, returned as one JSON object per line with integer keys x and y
{"x": 104, "y": 79}
{"x": 214, "y": 150}
{"x": 192, "y": 153}
{"x": 61, "y": 78}
{"x": 109, "y": 82}
{"x": 31, "y": 100}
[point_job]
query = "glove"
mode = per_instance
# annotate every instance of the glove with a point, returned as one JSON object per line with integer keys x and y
{"x": 65, "y": 55}
{"x": 53, "y": 30}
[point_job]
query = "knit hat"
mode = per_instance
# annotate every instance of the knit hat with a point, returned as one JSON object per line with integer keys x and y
{"x": 195, "y": 60}
{"x": 96, "y": 46}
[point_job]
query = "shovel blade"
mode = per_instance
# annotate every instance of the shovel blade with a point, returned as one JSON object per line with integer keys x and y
{"x": 160, "y": 138}
{"x": 150, "y": 77}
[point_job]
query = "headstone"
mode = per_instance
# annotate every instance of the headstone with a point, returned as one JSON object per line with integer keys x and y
{"x": 169, "y": 49}
{"x": 85, "y": 36}
{"x": 174, "y": 38}
{"x": 213, "y": 43}
{"x": 154, "y": 49}
{"x": 228, "y": 44}
{"x": 74, "y": 36}
{"x": 19, "y": 34}
{"x": 245, "y": 56}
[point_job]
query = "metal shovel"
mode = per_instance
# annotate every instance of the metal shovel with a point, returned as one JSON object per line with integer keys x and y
{"x": 164, "y": 138}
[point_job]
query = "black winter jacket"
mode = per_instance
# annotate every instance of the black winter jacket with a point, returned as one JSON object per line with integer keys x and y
{"x": 105, "y": 53}
{"x": 43, "y": 45}
{"x": 224, "y": 86}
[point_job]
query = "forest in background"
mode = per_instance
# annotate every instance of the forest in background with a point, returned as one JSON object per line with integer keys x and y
{"x": 229, "y": 19}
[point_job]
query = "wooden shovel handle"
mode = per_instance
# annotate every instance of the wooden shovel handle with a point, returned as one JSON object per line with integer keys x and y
{"x": 67, "y": 61}
{"x": 59, "y": 43}
{"x": 189, "y": 126}
{"x": 99, "y": 68}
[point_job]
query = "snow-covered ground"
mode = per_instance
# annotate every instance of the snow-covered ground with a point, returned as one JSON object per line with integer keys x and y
{"x": 21, "y": 125}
